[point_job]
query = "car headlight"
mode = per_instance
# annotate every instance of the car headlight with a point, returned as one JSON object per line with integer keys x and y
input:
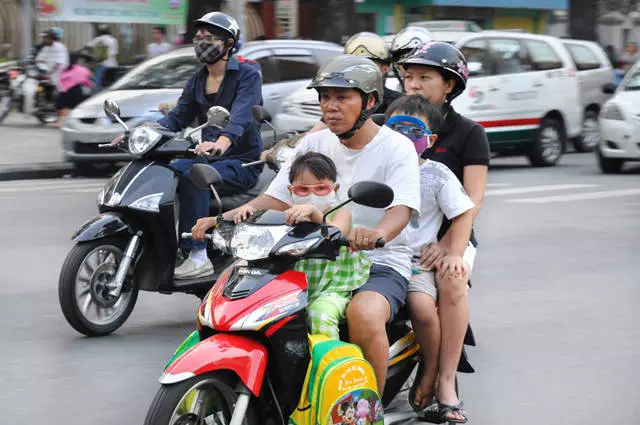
{"x": 298, "y": 248}
{"x": 149, "y": 203}
{"x": 142, "y": 140}
{"x": 612, "y": 112}
{"x": 254, "y": 242}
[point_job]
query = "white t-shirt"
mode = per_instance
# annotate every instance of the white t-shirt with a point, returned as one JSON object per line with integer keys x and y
{"x": 156, "y": 49}
{"x": 389, "y": 158}
{"x": 441, "y": 194}
{"x": 111, "y": 43}
{"x": 50, "y": 56}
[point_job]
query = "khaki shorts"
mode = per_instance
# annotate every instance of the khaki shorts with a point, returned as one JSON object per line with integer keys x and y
{"x": 424, "y": 281}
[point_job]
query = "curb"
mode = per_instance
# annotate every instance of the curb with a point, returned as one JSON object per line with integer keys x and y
{"x": 52, "y": 170}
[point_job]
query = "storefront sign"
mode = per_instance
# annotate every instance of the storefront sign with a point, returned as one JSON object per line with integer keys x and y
{"x": 163, "y": 12}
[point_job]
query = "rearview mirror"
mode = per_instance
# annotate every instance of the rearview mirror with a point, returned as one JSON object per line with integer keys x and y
{"x": 371, "y": 194}
{"x": 609, "y": 88}
{"x": 112, "y": 109}
{"x": 217, "y": 116}
{"x": 204, "y": 175}
{"x": 261, "y": 114}
{"x": 379, "y": 119}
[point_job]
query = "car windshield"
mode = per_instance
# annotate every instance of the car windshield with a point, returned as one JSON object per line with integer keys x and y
{"x": 634, "y": 82}
{"x": 171, "y": 72}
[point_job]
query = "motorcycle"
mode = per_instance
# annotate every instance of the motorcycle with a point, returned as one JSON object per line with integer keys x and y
{"x": 246, "y": 362}
{"x": 132, "y": 243}
{"x": 25, "y": 87}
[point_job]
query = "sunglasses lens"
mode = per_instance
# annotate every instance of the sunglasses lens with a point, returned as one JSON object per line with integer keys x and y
{"x": 322, "y": 189}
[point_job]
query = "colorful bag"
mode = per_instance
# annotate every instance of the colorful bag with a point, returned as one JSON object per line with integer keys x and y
{"x": 339, "y": 388}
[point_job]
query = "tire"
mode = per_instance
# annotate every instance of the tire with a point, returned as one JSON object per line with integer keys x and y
{"x": 170, "y": 397}
{"x": 590, "y": 136}
{"x": 95, "y": 298}
{"x": 6, "y": 103}
{"x": 549, "y": 145}
{"x": 609, "y": 165}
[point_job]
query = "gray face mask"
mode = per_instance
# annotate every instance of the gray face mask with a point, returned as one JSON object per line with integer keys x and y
{"x": 209, "y": 53}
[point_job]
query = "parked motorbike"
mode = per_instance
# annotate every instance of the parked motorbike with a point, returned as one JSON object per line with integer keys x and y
{"x": 132, "y": 244}
{"x": 25, "y": 87}
{"x": 247, "y": 361}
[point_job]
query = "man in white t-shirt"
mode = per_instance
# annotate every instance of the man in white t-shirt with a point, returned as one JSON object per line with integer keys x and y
{"x": 105, "y": 49}
{"x": 53, "y": 55}
{"x": 348, "y": 86}
{"x": 160, "y": 44}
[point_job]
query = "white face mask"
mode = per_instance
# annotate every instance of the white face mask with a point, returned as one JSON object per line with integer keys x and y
{"x": 322, "y": 203}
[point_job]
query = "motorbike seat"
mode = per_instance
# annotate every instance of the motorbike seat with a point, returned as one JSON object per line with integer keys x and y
{"x": 234, "y": 201}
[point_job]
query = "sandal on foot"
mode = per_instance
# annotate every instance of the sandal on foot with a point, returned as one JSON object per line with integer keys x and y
{"x": 446, "y": 409}
{"x": 414, "y": 390}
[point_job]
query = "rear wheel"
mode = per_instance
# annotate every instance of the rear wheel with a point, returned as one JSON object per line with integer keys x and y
{"x": 590, "y": 136}
{"x": 6, "y": 102}
{"x": 205, "y": 399}
{"x": 549, "y": 145}
{"x": 609, "y": 165}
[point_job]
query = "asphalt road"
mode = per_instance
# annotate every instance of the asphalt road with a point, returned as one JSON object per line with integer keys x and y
{"x": 554, "y": 306}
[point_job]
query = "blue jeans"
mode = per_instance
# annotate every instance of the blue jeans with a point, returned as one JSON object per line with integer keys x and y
{"x": 194, "y": 202}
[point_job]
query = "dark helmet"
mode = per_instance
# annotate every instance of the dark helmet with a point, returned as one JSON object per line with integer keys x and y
{"x": 446, "y": 58}
{"x": 50, "y": 33}
{"x": 104, "y": 29}
{"x": 223, "y": 22}
{"x": 408, "y": 39}
{"x": 352, "y": 72}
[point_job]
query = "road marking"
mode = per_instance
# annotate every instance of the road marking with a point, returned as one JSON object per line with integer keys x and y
{"x": 51, "y": 182}
{"x": 577, "y": 196}
{"x": 536, "y": 189}
{"x": 498, "y": 184}
{"x": 58, "y": 187}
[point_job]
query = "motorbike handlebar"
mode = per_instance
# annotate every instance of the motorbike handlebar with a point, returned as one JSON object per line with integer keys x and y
{"x": 189, "y": 236}
{"x": 344, "y": 241}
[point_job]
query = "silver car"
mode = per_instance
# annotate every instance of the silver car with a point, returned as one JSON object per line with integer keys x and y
{"x": 286, "y": 65}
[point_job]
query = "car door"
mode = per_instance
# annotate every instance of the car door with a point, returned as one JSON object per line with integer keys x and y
{"x": 592, "y": 73}
{"x": 295, "y": 68}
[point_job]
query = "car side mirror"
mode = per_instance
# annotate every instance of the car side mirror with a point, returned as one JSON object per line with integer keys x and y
{"x": 371, "y": 194}
{"x": 379, "y": 119}
{"x": 204, "y": 175}
{"x": 261, "y": 114}
{"x": 609, "y": 88}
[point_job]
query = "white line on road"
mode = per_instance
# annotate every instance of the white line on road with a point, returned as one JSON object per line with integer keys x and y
{"x": 535, "y": 189}
{"x": 578, "y": 196}
{"x": 41, "y": 188}
{"x": 50, "y": 182}
{"x": 498, "y": 184}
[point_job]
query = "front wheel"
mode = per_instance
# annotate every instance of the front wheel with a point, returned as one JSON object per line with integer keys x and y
{"x": 83, "y": 288}
{"x": 203, "y": 399}
{"x": 609, "y": 165}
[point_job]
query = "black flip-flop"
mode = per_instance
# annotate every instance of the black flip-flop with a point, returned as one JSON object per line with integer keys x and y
{"x": 446, "y": 409}
{"x": 414, "y": 388}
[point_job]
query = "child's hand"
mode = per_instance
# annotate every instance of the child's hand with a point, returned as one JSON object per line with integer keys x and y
{"x": 298, "y": 213}
{"x": 431, "y": 255}
{"x": 452, "y": 265}
{"x": 244, "y": 212}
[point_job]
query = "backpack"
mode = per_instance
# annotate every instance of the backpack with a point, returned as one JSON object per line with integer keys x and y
{"x": 339, "y": 387}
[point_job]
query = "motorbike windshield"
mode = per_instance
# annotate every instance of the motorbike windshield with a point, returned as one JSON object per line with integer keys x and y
{"x": 161, "y": 73}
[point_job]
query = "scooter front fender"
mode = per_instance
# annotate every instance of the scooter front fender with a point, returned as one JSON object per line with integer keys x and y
{"x": 244, "y": 356}
{"x": 101, "y": 226}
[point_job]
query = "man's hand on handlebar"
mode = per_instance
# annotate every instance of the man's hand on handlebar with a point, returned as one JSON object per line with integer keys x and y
{"x": 362, "y": 239}
{"x": 201, "y": 226}
{"x": 213, "y": 148}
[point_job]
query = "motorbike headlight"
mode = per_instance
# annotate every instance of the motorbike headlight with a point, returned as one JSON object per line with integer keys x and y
{"x": 612, "y": 112}
{"x": 149, "y": 203}
{"x": 251, "y": 242}
{"x": 142, "y": 140}
{"x": 298, "y": 248}
{"x": 100, "y": 199}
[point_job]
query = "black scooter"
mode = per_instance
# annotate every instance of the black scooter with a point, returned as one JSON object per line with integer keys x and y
{"x": 132, "y": 244}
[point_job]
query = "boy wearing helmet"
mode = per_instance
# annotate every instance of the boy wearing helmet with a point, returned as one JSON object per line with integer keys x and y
{"x": 347, "y": 87}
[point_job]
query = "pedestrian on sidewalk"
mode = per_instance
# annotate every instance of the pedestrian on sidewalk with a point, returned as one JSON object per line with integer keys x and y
{"x": 160, "y": 44}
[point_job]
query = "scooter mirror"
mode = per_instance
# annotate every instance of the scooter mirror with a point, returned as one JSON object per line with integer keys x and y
{"x": 204, "y": 175}
{"x": 371, "y": 194}
{"x": 260, "y": 114}
{"x": 217, "y": 116}
{"x": 379, "y": 119}
{"x": 112, "y": 109}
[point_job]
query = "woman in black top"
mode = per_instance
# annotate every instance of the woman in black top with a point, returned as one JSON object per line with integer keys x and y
{"x": 438, "y": 71}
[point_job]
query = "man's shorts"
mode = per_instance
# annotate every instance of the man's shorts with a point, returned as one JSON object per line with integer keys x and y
{"x": 388, "y": 283}
{"x": 424, "y": 281}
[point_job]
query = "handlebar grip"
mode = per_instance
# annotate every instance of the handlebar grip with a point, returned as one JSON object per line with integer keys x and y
{"x": 344, "y": 241}
{"x": 190, "y": 236}
{"x": 380, "y": 243}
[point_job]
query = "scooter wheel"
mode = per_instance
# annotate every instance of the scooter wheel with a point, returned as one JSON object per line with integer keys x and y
{"x": 83, "y": 289}
{"x": 207, "y": 398}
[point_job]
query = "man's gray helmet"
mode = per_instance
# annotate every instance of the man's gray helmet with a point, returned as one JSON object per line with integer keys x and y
{"x": 351, "y": 72}
{"x": 369, "y": 45}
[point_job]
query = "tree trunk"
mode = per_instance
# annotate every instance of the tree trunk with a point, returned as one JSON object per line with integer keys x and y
{"x": 334, "y": 20}
{"x": 197, "y": 8}
{"x": 583, "y": 19}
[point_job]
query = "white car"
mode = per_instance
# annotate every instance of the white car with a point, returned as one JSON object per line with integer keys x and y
{"x": 620, "y": 124}
{"x": 299, "y": 111}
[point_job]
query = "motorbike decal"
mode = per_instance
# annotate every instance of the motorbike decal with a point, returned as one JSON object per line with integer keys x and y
{"x": 244, "y": 356}
{"x": 272, "y": 312}
{"x": 191, "y": 341}
{"x": 407, "y": 354}
{"x": 402, "y": 344}
{"x": 277, "y": 326}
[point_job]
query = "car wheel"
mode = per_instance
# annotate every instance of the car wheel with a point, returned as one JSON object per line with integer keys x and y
{"x": 609, "y": 165}
{"x": 590, "y": 136}
{"x": 549, "y": 144}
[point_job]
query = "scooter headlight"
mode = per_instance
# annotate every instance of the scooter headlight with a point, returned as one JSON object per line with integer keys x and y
{"x": 252, "y": 242}
{"x": 149, "y": 203}
{"x": 142, "y": 140}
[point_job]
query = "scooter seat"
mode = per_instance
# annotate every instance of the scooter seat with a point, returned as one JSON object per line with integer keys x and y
{"x": 234, "y": 201}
